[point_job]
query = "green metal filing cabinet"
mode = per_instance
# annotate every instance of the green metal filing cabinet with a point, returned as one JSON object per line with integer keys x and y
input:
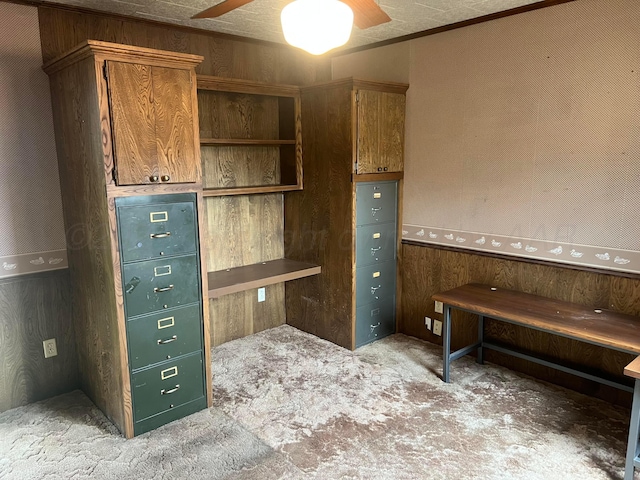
{"x": 376, "y": 234}
{"x": 161, "y": 283}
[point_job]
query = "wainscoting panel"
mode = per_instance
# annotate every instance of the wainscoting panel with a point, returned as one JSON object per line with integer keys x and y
{"x": 429, "y": 269}
{"x": 35, "y": 308}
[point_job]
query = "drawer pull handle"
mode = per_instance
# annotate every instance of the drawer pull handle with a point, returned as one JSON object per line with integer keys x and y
{"x": 160, "y": 235}
{"x": 374, "y": 250}
{"x": 374, "y": 289}
{"x": 169, "y": 392}
{"x": 167, "y": 340}
{"x": 163, "y": 289}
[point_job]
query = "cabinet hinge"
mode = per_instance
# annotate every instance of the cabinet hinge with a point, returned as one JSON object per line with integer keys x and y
{"x": 357, "y": 96}
{"x": 104, "y": 71}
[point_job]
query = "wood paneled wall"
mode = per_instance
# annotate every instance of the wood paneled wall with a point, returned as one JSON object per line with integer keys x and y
{"x": 35, "y": 308}
{"x": 62, "y": 29}
{"x": 427, "y": 270}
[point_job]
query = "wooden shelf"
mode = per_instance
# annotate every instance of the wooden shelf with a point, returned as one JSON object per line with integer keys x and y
{"x": 221, "y": 192}
{"x": 244, "y": 142}
{"x": 258, "y": 275}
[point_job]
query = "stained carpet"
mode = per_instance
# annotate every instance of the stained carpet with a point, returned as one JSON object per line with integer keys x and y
{"x": 289, "y": 405}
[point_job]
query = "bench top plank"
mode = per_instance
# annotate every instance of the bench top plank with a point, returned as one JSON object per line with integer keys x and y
{"x": 608, "y": 328}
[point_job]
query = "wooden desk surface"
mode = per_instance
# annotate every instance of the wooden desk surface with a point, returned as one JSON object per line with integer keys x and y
{"x": 608, "y": 328}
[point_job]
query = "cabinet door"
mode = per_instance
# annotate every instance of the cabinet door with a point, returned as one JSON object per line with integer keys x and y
{"x": 152, "y": 124}
{"x": 380, "y": 131}
{"x": 131, "y": 99}
{"x": 173, "y": 106}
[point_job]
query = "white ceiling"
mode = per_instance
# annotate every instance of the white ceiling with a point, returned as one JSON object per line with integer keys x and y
{"x": 261, "y": 18}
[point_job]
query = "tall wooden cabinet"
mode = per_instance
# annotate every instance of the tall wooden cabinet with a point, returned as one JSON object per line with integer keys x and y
{"x": 347, "y": 217}
{"x": 127, "y": 139}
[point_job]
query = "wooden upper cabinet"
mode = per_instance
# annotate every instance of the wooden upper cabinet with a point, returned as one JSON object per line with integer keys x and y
{"x": 380, "y": 131}
{"x": 152, "y": 123}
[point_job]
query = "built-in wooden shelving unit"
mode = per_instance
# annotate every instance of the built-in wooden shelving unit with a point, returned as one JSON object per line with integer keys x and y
{"x": 258, "y": 275}
{"x": 251, "y": 141}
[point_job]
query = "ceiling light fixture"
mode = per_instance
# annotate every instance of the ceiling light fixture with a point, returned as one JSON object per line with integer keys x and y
{"x": 317, "y": 26}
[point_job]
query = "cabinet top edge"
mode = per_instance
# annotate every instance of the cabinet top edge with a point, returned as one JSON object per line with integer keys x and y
{"x": 237, "y": 85}
{"x": 120, "y": 52}
{"x": 356, "y": 83}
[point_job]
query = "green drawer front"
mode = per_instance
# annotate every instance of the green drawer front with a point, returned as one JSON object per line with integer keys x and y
{"x": 375, "y": 321}
{"x": 375, "y": 282}
{"x": 376, "y": 202}
{"x": 165, "y": 335}
{"x": 155, "y": 421}
{"x": 151, "y": 231}
{"x": 375, "y": 243}
{"x": 158, "y": 284}
{"x": 167, "y": 386}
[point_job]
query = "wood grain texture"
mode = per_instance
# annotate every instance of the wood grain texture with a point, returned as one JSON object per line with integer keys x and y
{"x": 35, "y": 308}
{"x": 249, "y": 277}
{"x": 633, "y": 369}
{"x": 594, "y": 325}
{"x": 380, "y": 131}
{"x": 319, "y": 219}
{"x": 152, "y": 124}
{"x": 77, "y": 123}
{"x": 428, "y": 270}
{"x": 133, "y": 122}
{"x": 206, "y": 330}
{"x": 240, "y": 314}
{"x": 62, "y": 29}
{"x": 178, "y": 156}
{"x": 229, "y": 167}
{"x": 243, "y": 230}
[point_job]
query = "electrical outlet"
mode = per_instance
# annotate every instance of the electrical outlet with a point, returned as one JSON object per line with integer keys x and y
{"x": 427, "y": 323}
{"x": 439, "y": 307}
{"x": 437, "y": 327}
{"x": 50, "y": 349}
{"x": 262, "y": 294}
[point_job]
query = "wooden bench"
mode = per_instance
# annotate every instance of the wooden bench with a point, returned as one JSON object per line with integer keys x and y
{"x": 601, "y": 327}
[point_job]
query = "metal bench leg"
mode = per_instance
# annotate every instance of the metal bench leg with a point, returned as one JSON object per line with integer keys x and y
{"x": 446, "y": 344}
{"x": 634, "y": 431}
{"x": 480, "y": 358}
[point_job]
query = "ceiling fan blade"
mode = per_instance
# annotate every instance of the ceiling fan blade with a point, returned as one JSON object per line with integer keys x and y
{"x": 367, "y": 13}
{"x": 221, "y": 8}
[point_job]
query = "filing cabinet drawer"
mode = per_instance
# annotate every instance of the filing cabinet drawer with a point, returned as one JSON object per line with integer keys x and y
{"x": 375, "y": 282}
{"x": 375, "y": 243}
{"x": 375, "y": 321}
{"x": 167, "y": 386}
{"x": 376, "y": 202}
{"x": 165, "y": 335}
{"x": 158, "y": 284}
{"x": 162, "y": 229}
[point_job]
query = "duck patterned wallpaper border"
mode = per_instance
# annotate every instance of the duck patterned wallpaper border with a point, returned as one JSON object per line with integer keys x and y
{"x": 13, "y": 265}
{"x": 584, "y": 255}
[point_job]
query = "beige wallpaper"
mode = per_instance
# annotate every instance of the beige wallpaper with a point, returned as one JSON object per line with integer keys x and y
{"x": 31, "y": 223}
{"x": 522, "y": 135}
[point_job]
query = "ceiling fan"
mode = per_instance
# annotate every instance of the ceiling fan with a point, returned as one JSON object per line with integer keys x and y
{"x": 366, "y": 13}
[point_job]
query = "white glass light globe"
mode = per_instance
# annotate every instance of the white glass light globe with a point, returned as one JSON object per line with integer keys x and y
{"x": 317, "y": 26}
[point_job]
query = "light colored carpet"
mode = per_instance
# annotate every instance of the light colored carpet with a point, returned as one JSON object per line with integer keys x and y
{"x": 289, "y": 405}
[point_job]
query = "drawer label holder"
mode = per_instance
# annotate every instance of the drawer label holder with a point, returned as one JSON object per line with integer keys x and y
{"x": 169, "y": 372}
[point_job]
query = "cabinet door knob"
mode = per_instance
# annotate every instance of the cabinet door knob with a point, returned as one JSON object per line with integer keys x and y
{"x": 153, "y": 178}
{"x": 165, "y": 178}
{"x": 379, "y": 169}
{"x": 386, "y": 168}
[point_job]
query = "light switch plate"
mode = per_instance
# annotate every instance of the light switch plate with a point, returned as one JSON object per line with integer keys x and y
{"x": 439, "y": 307}
{"x": 262, "y": 294}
